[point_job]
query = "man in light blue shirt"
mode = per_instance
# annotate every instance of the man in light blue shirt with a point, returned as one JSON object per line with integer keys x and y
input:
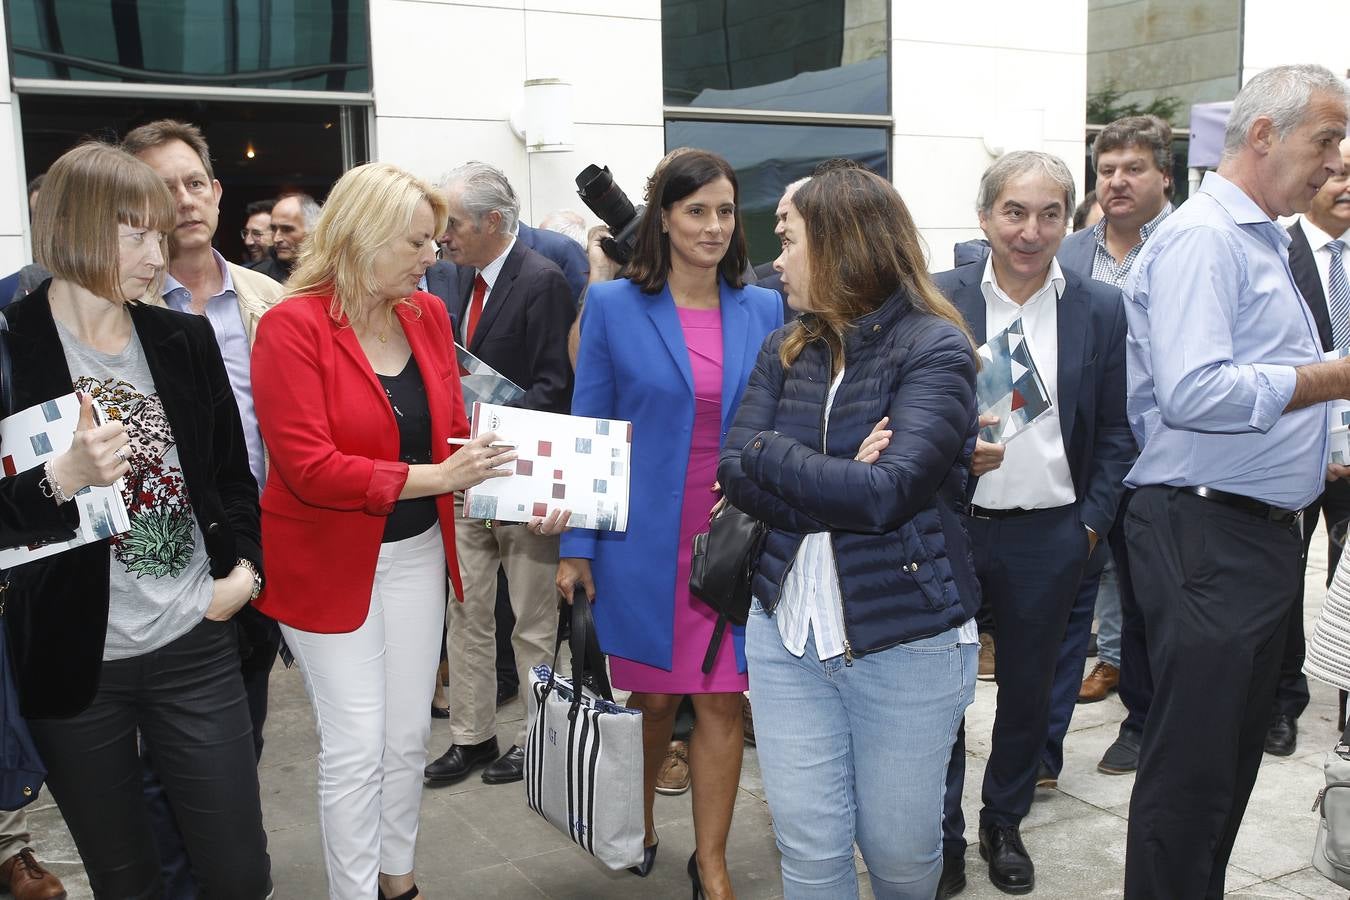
{"x": 1227, "y": 400}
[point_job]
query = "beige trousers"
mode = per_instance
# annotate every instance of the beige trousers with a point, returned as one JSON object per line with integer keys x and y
{"x": 531, "y": 563}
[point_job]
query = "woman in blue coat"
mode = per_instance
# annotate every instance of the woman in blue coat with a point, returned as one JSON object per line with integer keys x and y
{"x": 852, "y": 444}
{"x": 670, "y": 349}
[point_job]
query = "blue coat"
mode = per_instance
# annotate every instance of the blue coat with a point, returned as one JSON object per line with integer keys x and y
{"x": 632, "y": 364}
{"x": 901, "y": 553}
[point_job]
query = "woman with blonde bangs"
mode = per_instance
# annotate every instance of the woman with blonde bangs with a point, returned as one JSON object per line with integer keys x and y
{"x": 852, "y": 444}
{"x": 131, "y": 635}
{"x": 357, "y": 391}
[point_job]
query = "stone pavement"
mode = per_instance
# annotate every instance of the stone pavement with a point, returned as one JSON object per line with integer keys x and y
{"x": 479, "y": 842}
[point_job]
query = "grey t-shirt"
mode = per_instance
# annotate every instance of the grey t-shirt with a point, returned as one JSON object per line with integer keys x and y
{"x": 160, "y": 580}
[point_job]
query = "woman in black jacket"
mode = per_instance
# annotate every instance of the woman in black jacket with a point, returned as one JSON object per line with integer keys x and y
{"x": 852, "y": 444}
{"x": 131, "y": 635}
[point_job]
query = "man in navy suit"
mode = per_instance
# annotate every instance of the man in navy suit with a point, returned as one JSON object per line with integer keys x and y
{"x": 1314, "y": 259}
{"x": 562, "y": 251}
{"x": 1039, "y": 504}
{"x": 1132, "y": 157}
{"x": 512, "y": 309}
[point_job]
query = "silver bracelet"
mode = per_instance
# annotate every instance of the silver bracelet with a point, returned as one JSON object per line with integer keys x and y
{"x": 248, "y": 565}
{"x": 50, "y": 486}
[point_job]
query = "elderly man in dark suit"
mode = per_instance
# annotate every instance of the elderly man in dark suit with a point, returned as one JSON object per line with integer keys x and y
{"x": 1041, "y": 505}
{"x": 1319, "y": 259}
{"x": 512, "y": 309}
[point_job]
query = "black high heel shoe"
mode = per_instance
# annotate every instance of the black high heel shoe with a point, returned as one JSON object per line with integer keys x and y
{"x": 695, "y": 881}
{"x": 648, "y": 860}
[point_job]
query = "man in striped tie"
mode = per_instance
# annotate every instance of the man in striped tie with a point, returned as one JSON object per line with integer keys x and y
{"x": 1319, "y": 258}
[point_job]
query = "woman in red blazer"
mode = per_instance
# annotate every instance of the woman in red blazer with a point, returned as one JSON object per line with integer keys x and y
{"x": 357, "y": 390}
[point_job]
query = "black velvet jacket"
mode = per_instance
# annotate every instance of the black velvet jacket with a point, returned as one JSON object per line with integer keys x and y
{"x": 57, "y": 608}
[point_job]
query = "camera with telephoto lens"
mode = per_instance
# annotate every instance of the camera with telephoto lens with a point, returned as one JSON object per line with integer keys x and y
{"x": 596, "y": 188}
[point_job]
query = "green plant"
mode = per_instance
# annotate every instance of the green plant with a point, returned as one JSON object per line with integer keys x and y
{"x": 1104, "y": 106}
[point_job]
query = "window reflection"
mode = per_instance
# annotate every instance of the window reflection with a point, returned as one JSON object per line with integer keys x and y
{"x": 768, "y": 157}
{"x": 795, "y": 55}
{"x": 319, "y": 45}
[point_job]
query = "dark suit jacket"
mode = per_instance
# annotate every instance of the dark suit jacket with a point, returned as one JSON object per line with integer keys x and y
{"x": 523, "y": 331}
{"x": 1309, "y": 282}
{"x": 1091, "y": 384}
{"x": 57, "y": 608}
{"x": 562, "y": 251}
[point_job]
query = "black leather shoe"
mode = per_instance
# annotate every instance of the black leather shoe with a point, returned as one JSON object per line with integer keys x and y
{"x": 461, "y": 759}
{"x": 506, "y": 693}
{"x": 1010, "y": 867}
{"x": 953, "y": 879}
{"x": 1122, "y": 757}
{"x": 510, "y": 767}
{"x": 1282, "y": 737}
{"x": 440, "y": 712}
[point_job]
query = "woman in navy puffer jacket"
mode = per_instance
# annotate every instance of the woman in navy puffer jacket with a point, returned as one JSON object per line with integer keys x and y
{"x": 852, "y": 444}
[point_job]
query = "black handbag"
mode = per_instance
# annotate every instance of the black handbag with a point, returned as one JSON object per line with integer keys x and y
{"x": 21, "y": 768}
{"x": 723, "y": 565}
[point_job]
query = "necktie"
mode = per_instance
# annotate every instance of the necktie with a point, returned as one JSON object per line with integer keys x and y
{"x": 476, "y": 306}
{"x": 1338, "y": 295}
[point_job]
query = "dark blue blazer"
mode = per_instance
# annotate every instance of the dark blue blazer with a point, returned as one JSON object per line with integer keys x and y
{"x": 564, "y": 252}
{"x": 633, "y": 364}
{"x": 1309, "y": 283}
{"x": 1091, "y": 384}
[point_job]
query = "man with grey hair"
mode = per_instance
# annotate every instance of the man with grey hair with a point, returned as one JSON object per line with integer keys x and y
{"x": 512, "y": 309}
{"x": 1227, "y": 399}
{"x": 293, "y": 218}
{"x": 1039, "y": 505}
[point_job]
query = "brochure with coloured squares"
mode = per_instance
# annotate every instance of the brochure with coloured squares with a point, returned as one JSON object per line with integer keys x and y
{"x": 563, "y": 462}
{"x": 1338, "y": 422}
{"x": 32, "y": 436}
{"x": 1009, "y": 385}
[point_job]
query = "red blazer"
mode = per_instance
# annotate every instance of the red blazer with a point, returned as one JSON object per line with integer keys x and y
{"x": 333, "y": 446}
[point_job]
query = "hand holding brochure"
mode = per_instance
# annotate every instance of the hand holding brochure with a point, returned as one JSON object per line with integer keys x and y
{"x": 32, "y": 436}
{"x": 1338, "y": 422}
{"x": 1009, "y": 385}
{"x": 563, "y": 462}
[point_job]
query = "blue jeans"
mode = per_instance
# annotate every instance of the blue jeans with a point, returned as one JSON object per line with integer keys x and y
{"x": 857, "y": 753}
{"x": 1108, "y": 617}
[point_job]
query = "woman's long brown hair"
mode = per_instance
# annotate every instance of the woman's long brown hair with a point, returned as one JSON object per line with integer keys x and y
{"x": 862, "y": 247}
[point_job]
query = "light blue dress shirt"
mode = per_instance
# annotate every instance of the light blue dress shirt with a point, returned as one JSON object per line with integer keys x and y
{"x": 222, "y": 311}
{"x": 1216, "y": 329}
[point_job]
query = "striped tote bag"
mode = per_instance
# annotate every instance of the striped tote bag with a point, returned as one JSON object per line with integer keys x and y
{"x": 583, "y": 752}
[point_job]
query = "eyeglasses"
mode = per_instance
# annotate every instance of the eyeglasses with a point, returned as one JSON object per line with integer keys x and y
{"x": 254, "y": 233}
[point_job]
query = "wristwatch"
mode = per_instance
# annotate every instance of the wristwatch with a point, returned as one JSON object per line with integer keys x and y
{"x": 257, "y": 577}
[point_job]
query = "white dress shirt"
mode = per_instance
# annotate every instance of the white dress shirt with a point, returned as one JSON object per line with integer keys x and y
{"x": 489, "y": 273}
{"x": 1035, "y": 470}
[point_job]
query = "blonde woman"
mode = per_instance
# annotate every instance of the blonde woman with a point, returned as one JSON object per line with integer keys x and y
{"x": 357, "y": 391}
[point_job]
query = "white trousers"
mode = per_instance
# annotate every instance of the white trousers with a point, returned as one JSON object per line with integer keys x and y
{"x": 371, "y": 690}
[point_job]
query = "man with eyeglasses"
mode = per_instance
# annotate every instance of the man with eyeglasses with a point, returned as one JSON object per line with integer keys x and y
{"x": 257, "y": 231}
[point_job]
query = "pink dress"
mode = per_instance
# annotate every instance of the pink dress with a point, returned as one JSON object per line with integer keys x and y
{"x": 693, "y": 619}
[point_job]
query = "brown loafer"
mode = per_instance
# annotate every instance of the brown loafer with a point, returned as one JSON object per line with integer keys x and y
{"x": 674, "y": 776}
{"x": 985, "y": 672}
{"x": 27, "y": 879}
{"x": 1100, "y": 682}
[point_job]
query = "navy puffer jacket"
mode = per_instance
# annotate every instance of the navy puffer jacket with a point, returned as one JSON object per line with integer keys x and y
{"x": 901, "y": 551}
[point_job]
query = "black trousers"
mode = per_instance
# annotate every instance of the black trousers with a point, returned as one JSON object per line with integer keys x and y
{"x": 259, "y": 641}
{"x": 1029, "y": 569}
{"x": 1136, "y": 682}
{"x": 1216, "y": 587}
{"x": 186, "y": 700}
{"x": 1291, "y": 694}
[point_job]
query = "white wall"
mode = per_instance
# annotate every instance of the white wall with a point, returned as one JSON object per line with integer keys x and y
{"x": 13, "y": 187}
{"x": 965, "y": 73}
{"x": 448, "y": 74}
{"x": 1280, "y": 32}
